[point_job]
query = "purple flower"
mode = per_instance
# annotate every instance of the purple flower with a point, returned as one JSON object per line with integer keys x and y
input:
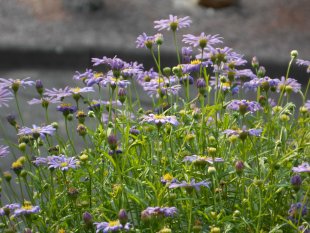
{"x": 304, "y": 167}
{"x": 159, "y": 212}
{"x": 174, "y": 23}
{"x": 145, "y": 41}
{"x": 202, "y": 159}
{"x": 7, "y": 209}
{"x": 44, "y": 101}
{"x": 112, "y": 63}
{"x": 265, "y": 83}
{"x": 112, "y": 226}
{"x": 296, "y": 210}
{"x": 242, "y": 134}
{"x": 162, "y": 91}
{"x": 36, "y": 131}
{"x": 202, "y": 40}
{"x": 160, "y": 119}
{"x": 288, "y": 85}
{"x": 26, "y": 209}
{"x": 5, "y": 96}
{"x": 14, "y": 84}
{"x": 186, "y": 54}
{"x": 190, "y": 185}
{"x": 86, "y": 75}
{"x": 66, "y": 109}
{"x": 58, "y": 93}
{"x": 41, "y": 161}
{"x": 113, "y": 81}
{"x": 244, "y": 106}
{"x": 62, "y": 162}
{"x": 4, "y": 151}
{"x": 301, "y": 62}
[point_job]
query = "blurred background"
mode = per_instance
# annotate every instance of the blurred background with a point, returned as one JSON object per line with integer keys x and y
{"x": 51, "y": 39}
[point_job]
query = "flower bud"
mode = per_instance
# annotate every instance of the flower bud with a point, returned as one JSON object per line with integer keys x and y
{"x": 165, "y": 230}
{"x": 87, "y": 218}
{"x": 70, "y": 117}
{"x": 167, "y": 71}
{"x": 255, "y": 63}
{"x": 11, "y": 119}
{"x": 81, "y": 115}
{"x": 82, "y": 130}
{"x": 22, "y": 146}
{"x": 294, "y": 54}
{"x": 215, "y": 229}
{"x": 123, "y": 217}
{"x": 112, "y": 141}
{"x": 7, "y": 176}
{"x": 17, "y": 167}
{"x": 239, "y": 166}
{"x": 296, "y": 182}
{"x": 261, "y": 72}
{"x": 211, "y": 170}
{"x": 91, "y": 114}
{"x": 39, "y": 86}
{"x": 55, "y": 125}
{"x": 122, "y": 95}
{"x": 284, "y": 118}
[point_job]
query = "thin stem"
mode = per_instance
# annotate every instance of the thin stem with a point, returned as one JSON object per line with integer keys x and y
{"x": 176, "y": 47}
{"x": 18, "y": 108}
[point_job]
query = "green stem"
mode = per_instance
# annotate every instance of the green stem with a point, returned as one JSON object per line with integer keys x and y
{"x": 18, "y": 108}
{"x": 176, "y": 47}
{"x": 68, "y": 135}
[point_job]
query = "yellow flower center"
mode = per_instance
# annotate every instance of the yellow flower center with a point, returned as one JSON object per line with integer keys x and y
{"x": 226, "y": 84}
{"x": 158, "y": 117}
{"x": 27, "y": 205}
{"x": 98, "y": 75}
{"x": 195, "y": 62}
{"x": 114, "y": 223}
{"x": 64, "y": 164}
{"x": 75, "y": 90}
{"x": 168, "y": 177}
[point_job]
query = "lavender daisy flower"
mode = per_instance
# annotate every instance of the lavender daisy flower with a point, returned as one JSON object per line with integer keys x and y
{"x": 265, "y": 83}
{"x": 41, "y": 161}
{"x": 244, "y": 106}
{"x": 195, "y": 159}
{"x": 304, "y": 167}
{"x": 36, "y": 131}
{"x": 174, "y": 23}
{"x": 86, "y": 75}
{"x": 4, "y": 151}
{"x": 62, "y": 162}
{"x": 189, "y": 186}
{"x": 288, "y": 85}
{"x": 26, "y": 209}
{"x": 9, "y": 208}
{"x": 161, "y": 91}
{"x": 113, "y": 82}
{"x": 187, "y": 53}
{"x": 66, "y": 109}
{"x": 160, "y": 119}
{"x": 5, "y": 96}
{"x": 14, "y": 84}
{"x": 145, "y": 41}
{"x": 301, "y": 62}
{"x": 44, "y": 101}
{"x": 112, "y": 63}
{"x": 159, "y": 212}
{"x": 244, "y": 133}
{"x": 202, "y": 40}
{"x": 296, "y": 210}
{"x": 131, "y": 69}
{"x": 58, "y": 93}
{"x": 112, "y": 226}
{"x": 96, "y": 78}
